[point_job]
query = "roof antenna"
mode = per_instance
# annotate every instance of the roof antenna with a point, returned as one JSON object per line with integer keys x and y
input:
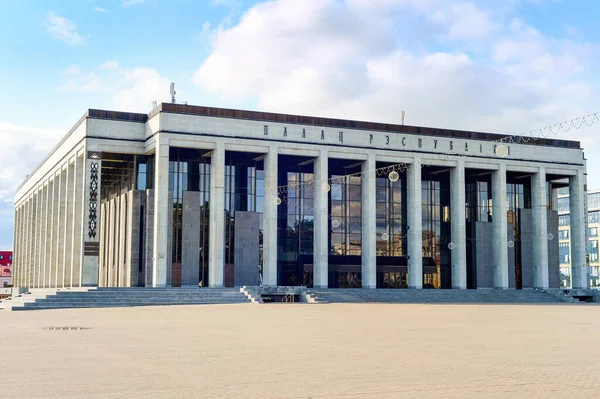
{"x": 403, "y": 113}
{"x": 154, "y": 104}
{"x": 173, "y": 92}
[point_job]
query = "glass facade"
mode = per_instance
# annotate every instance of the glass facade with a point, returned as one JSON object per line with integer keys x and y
{"x": 435, "y": 210}
{"x": 563, "y": 204}
{"x": 189, "y": 171}
{"x": 593, "y": 201}
{"x": 390, "y": 198}
{"x": 296, "y": 223}
{"x": 564, "y": 255}
{"x": 244, "y": 192}
{"x": 518, "y": 196}
{"x": 346, "y": 214}
{"x": 345, "y": 246}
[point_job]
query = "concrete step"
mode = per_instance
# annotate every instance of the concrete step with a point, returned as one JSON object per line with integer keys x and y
{"x": 433, "y": 296}
{"x": 111, "y": 305}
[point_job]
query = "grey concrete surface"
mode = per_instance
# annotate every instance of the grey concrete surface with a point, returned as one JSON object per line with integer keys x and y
{"x": 304, "y": 351}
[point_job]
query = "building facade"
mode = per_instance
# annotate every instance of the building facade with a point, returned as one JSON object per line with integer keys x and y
{"x": 564, "y": 234}
{"x": 209, "y": 197}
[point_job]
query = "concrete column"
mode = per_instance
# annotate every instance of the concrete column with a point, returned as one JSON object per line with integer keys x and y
{"x": 499, "y": 227}
{"x": 39, "y": 231}
{"x": 39, "y": 234}
{"x": 72, "y": 228}
{"x": 458, "y": 225}
{"x": 47, "y": 226}
{"x": 149, "y": 253}
{"x": 102, "y": 255}
{"x": 216, "y": 254}
{"x": 270, "y": 219}
{"x": 540, "y": 229}
{"x": 92, "y": 184}
{"x": 135, "y": 234}
{"x": 415, "y": 225}
{"x": 321, "y": 227}
{"x": 60, "y": 224}
{"x": 579, "y": 269}
{"x": 26, "y": 243}
{"x": 33, "y": 235}
{"x": 53, "y": 229}
{"x": 123, "y": 241}
{"x": 190, "y": 239}
{"x": 68, "y": 226}
{"x": 553, "y": 198}
{"x": 369, "y": 215}
{"x": 32, "y": 228}
{"x": 111, "y": 258}
{"x": 161, "y": 212}
{"x": 77, "y": 239}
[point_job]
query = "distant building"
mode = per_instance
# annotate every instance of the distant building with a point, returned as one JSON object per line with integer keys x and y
{"x": 5, "y": 268}
{"x": 564, "y": 237}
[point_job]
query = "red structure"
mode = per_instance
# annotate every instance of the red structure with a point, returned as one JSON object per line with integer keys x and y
{"x": 5, "y": 268}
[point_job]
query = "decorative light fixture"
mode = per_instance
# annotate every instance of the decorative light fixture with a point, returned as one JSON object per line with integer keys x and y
{"x": 502, "y": 151}
{"x": 393, "y": 176}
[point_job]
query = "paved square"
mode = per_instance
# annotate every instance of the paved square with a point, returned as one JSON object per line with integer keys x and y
{"x": 304, "y": 351}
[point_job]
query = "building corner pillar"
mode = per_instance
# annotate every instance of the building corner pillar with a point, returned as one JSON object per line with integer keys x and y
{"x": 161, "y": 212}
{"x": 540, "y": 229}
{"x": 499, "y": 228}
{"x": 458, "y": 226}
{"x": 269, "y": 269}
{"x": 90, "y": 255}
{"x": 415, "y": 226}
{"x": 579, "y": 269}
{"x": 369, "y": 238}
{"x": 321, "y": 237}
{"x": 216, "y": 254}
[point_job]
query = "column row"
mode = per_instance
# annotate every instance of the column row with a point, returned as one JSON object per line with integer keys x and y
{"x": 500, "y": 273}
{"x": 48, "y": 234}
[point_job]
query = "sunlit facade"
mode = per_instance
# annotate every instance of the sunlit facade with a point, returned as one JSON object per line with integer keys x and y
{"x": 189, "y": 196}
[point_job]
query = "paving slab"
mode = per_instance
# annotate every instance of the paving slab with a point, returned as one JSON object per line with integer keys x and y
{"x": 304, "y": 351}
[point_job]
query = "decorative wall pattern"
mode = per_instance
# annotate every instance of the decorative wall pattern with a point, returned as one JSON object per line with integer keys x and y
{"x": 93, "y": 210}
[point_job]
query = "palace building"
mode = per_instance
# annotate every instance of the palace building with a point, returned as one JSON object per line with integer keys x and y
{"x": 209, "y": 197}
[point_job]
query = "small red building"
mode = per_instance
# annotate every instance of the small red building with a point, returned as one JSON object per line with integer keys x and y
{"x": 5, "y": 268}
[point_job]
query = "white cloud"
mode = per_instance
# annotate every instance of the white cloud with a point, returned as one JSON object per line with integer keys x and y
{"x": 129, "y": 3}
{"x": 452, "y": 64}
{"x": 139, "y": 87}
{"x": 63, "y": 29}
{"x": 23, "y": 149}
{"x": 122, "y": 88}
{"x": 110, "y": 65}
{"x": 98, "y": 9}
{"x": 72, "y": 69}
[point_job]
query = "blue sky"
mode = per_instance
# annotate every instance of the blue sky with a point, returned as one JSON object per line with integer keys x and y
{"x": 502, "y": 66}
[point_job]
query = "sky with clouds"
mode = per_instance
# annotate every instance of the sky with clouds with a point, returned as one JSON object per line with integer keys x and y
{"x": 506, "y": 66}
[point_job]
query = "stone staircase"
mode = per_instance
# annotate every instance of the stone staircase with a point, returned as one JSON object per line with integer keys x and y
{"x": 123, "y": 297}
{"x": 435, "y": 296}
